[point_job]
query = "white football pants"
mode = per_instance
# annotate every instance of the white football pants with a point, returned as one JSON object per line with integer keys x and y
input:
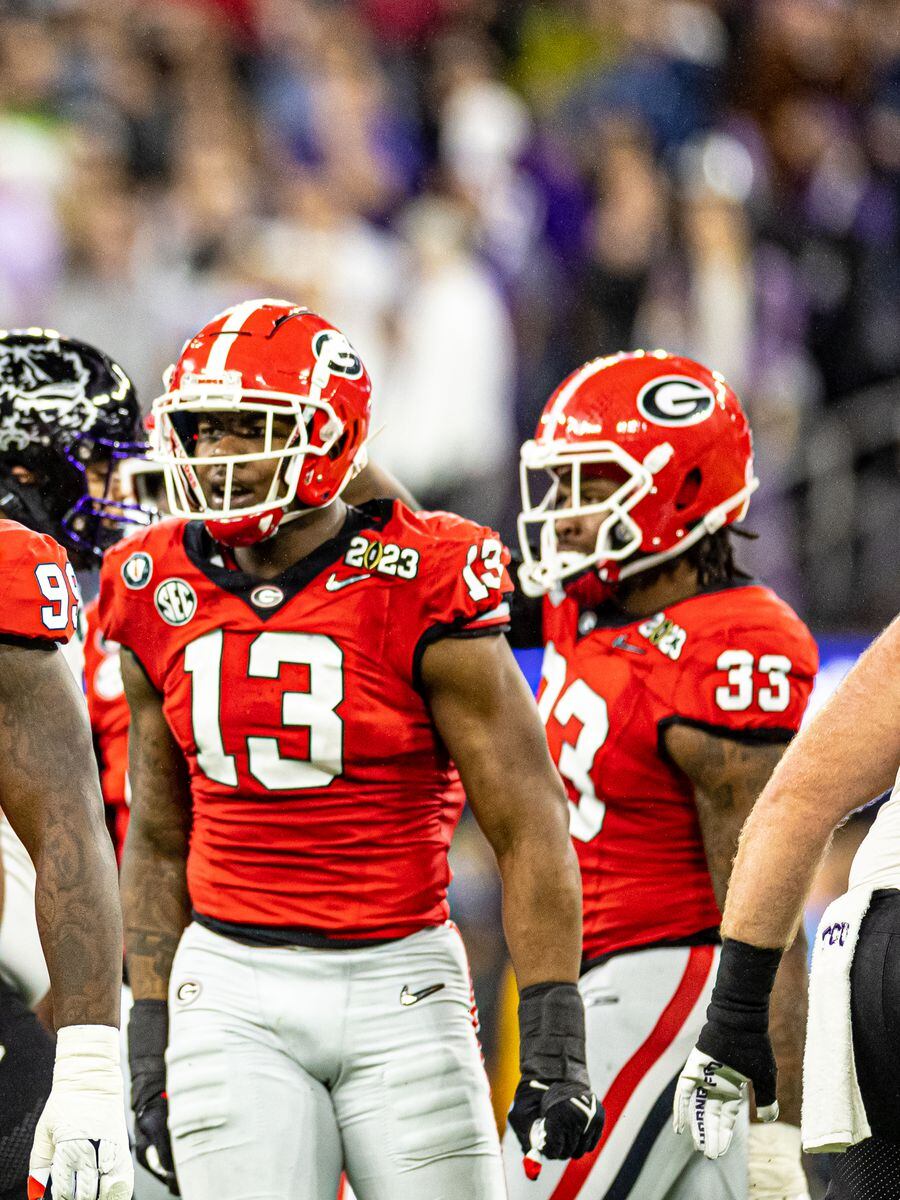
{"x": 286, "y": 1065}
{"x": 643, "y": 1012}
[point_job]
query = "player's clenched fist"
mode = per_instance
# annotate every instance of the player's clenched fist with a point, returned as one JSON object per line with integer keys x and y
{"x": 733, "y": 1050}
{"x": 148, "y": 1032}
{"x": 81, "y": 1142}
{"x": 554, "y": 1112}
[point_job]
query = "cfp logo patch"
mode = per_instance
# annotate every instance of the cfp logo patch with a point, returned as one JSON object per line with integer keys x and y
{"x": 176, "y": 601}
{"x": 334, "y": 349}
{"x": 675, "y": 400}
{"x": 136, "y": 570}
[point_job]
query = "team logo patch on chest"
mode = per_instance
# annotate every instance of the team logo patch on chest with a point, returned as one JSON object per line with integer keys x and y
{"x": 662, "y": 632}
{"x": 266, "y": 596}
{"x": 176, "y": 601}
{"x": 136, "y": 570}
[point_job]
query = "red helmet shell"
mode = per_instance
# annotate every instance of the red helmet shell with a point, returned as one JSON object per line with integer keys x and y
{"x": 643, "y": 400}
{"x": 275, "y": 347}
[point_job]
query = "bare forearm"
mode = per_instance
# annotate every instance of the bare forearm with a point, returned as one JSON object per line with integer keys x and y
{"x": 787, "y": 1028}
{"x": 50, "y": 792}
{"x": 155, "y": 903}
{"x": 542, "y": 912}
{"x": 848, "y": 754}
{"x": 78, "y": 918}
{"x": 156, "y": 911}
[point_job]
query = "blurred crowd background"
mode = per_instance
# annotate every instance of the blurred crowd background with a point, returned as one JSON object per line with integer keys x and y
{"x": 483, "y": 194}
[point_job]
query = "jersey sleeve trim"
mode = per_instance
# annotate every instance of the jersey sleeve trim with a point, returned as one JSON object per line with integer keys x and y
{"x": 461, "y": 628}
{"x": 766, "y": 736}
{"x": 28, "y": 643}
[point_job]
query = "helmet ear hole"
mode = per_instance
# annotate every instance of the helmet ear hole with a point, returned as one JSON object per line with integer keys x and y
{"x": 689, "y": 490}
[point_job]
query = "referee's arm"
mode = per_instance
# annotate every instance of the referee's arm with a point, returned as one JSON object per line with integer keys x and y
{"x": 848, "y": 753}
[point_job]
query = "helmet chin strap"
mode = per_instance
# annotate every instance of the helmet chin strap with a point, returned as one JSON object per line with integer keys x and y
{"x": 711, "y": 523}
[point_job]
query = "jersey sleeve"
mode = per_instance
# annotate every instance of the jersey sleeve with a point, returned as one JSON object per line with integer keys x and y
{"x": 39, "y": 596}
{"x": 466, "y": 586}
{"x": 126, "y": 578}
{"x": 751, "y": 681}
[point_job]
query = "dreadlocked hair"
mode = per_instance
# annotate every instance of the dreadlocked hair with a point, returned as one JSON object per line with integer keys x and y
{"x": 714, "y": 560}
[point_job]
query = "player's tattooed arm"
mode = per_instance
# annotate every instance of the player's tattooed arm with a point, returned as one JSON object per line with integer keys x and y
{"x": 728, "y": 776}
{"x": 488, "y": 720}
{"x": 50, "y": 792}
{"x": 155, "y": 901}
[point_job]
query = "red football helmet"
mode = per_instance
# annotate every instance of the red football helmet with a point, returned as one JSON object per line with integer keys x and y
{"x": 671, "y": 430}
{"x": 272, "y": 357}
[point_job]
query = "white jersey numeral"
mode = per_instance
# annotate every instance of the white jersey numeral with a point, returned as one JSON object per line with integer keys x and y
{"x": 61, "y": 589}
{"x": 203, "y": 662}
{"x": 491, "y": 554}
{"x": 737, "y": 695}
{"x": 313, "y": 710}
{"x": 576, "y": 759}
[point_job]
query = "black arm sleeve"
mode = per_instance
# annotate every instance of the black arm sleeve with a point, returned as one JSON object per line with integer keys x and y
{"x": 526, "y": 615}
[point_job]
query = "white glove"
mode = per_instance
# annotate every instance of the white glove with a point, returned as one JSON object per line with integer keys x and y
{"x": 774, "y": 1163}
{"x": 81, "y": 1141}
{"x": 709, "y": 1098}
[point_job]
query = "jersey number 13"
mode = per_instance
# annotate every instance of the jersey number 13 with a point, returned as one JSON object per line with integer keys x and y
{"x": 314, "y": 709}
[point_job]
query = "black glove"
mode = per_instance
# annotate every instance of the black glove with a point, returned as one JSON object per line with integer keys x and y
{"x": 554, "y": 1087}
{"x": 148, "y": 1033}
{"x": 736, "y": 1032}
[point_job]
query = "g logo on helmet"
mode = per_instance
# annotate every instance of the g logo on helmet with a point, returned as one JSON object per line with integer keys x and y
{"x": 675, "y": 400}
{"x": 337, "y": 353}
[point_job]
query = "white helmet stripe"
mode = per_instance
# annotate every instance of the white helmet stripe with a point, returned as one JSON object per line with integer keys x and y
{"x": 589, "y": 369}
{"x": 237, "y": 318}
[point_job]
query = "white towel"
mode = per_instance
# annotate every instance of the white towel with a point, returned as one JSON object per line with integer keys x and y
{"x": 833, "y": 1114}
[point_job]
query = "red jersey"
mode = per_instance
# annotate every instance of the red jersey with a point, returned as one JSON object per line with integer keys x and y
{"x": 109, "y": 715}
{"x": 39, "y": 594}
{"x": 323, "y": 798}
{"x": 738, "y": 662}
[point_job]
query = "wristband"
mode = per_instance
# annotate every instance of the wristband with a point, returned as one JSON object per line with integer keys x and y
{"x": 148, "y": 1035}
{"x": 87, "y": 1057}
{"x": 744, "y": 985}
{"x": 551, "y": 1033}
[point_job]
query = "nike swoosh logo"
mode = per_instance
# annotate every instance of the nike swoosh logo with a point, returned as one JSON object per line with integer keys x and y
{"x": 622, "y": 643}
{"x": 333, "y": 584}
{"x": 589, "y": 1110}
{"x": 407, "y": 997}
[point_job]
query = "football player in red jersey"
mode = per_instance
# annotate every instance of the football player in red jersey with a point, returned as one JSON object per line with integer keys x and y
{"x": 671, "y": 684}
{"x": 50, "y": 795}
{"x": 302, "y": 676}
{"x": 49, "y": 791}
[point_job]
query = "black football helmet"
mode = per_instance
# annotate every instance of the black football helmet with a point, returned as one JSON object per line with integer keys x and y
{"x": 66, "y": 410}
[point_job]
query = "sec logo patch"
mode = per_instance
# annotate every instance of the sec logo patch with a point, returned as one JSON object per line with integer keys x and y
{"x": 136, "y": 570}
{"x": 176, "y": 601}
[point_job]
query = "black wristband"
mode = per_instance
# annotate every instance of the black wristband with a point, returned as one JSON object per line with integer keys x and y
{"x": 551, "y": 1033}
{"x": 148, "y": 1035}
{"x": 744, "y": 984}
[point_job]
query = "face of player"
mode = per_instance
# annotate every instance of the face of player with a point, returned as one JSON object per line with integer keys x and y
{"x": 234, "y": 433}
{"x": 104, "y": 481}
{"x": 579, "y": 533}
